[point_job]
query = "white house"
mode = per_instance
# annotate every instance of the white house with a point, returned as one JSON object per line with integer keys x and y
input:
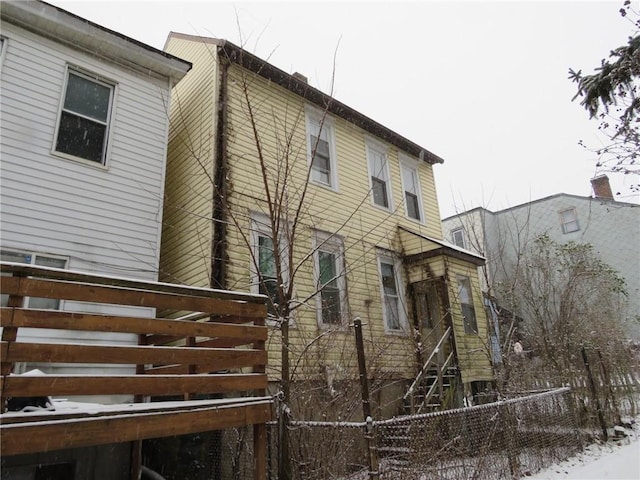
{"x": 83, "y": 139}
{"x": 611, "y": 227}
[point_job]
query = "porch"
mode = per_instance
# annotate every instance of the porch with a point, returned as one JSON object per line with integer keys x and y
{"x": 200, "y": 372}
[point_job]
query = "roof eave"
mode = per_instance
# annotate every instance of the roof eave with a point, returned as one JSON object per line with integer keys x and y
{"x": 251, "y": 62}
{"x": 79, "y": 33}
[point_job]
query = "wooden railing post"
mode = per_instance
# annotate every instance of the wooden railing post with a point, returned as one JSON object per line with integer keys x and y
{"x": 260, "y": 429}
{"x": 9, "y": 335}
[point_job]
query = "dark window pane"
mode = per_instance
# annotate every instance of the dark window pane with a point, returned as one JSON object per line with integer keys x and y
{"x": 469, "y": 316}
{"x": 393, "y": 316}
{"x": 321, "y": 162}
{"x": 330, "y": 291}
{"x": 267, "y": 269}
{"x": 81, "y": 137}
{"x": 388, "y": 279}
{"x": 327, "y": 263}
{"x": 413, "y": 209}
{"x": 87, "y": 98}
{"x": 379, "y": 192}
{"x": 330, "y": 305}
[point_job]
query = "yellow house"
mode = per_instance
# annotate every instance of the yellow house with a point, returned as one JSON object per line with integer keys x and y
{"x": 274, "y": 187}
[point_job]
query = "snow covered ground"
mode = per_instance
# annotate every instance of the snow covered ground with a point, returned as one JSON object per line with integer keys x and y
{"x": 614, "y": 460}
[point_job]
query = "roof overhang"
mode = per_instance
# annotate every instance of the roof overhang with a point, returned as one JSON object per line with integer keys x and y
{"x": 234, "y": 54}
{"x": 436, "y": 248}
{"x": 81, "y": 34}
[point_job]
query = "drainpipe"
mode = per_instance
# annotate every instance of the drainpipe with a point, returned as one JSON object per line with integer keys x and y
{"x": 220, "y": 187}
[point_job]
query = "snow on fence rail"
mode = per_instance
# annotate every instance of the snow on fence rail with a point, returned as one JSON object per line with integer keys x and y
{"x": 506, "y": 439}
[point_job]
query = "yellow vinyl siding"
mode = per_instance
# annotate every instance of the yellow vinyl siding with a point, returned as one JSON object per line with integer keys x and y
{"x": 348, "y": 212}
{"x": 187, "y": 229}
{"x": 473, "y": 349}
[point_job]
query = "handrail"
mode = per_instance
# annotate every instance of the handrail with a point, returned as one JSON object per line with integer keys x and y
{"x": 443, "y": 339}
{"x": 432, "y": 389}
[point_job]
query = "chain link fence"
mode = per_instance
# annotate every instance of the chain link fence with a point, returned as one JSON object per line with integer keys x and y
{"x": 507, "y": 439}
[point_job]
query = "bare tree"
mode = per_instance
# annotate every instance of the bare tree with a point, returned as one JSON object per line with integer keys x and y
{"x": 273, "y": 226}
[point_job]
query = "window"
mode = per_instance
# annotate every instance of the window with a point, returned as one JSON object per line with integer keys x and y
{"x": 83, "y": 125}
{"x": 457, "y": 237}
{"x": 379, "y": 174}
{"x": 3, "y": 50}
{"x": 392, "y": 306}
{"x": 265, "y": 279}
{"x": 569, "y": 221}
{"x": 411, "y": 185}
{"x": 34, "y": 259}
{"x": 466, "y": 304}
{"x": 321, "y": 149}
{"x": 329, "y": 260}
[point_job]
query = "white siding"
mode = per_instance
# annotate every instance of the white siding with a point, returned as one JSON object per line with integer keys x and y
{"x": 104, "y": 219}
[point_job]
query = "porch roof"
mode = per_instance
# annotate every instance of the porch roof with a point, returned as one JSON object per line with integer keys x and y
{"x": 419, "y": 246}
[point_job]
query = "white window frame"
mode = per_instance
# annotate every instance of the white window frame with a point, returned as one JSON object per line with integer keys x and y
{"x": 459, "y": 230}
{"x": 390, "y": 259}
{"x": 411, "y": 166}
{"x": 566, "y": 223}
{"x": 4, "y": 43}
{"x": 334, "y": 244}
{"x": 33, "y": 256}
{"x": 374, "y": 147}
{"x": 468, "y": 329}
{"x": 98, "y": 79}
{"x": 261, "y": 227}
{"x": 320, "y": 124}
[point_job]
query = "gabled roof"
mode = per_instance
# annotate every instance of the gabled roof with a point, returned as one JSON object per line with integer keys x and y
{"x": 81, "y": 34}
{"x": 232, "y": 53}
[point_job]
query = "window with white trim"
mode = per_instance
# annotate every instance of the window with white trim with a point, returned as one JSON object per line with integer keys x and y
{"x": 393, "y": 310}
{"x": 3, "y": 50}
{"x": 34, "y": 259}
{"x": 321, "y": 148}
{"x": 569, "y": 220}
{"x": 457, "y": 237}
{"x": 466, "y": 304}
{"x": 377, "y": 160}
{"x": 411, "y": 186}
{"x": 330, "y": 279}
{"x": 263, "y": 268}
{"x": 85, "y": 113}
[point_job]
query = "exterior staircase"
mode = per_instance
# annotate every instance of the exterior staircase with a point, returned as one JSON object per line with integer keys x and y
{"x": 434, "y": 386}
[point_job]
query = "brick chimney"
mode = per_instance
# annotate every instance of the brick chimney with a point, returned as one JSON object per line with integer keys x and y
{"x": 301, "y": 77}
{"x": 601, "y": 187}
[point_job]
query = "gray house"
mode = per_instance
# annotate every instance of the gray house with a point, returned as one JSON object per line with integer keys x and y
{"x": 611, "y": 227}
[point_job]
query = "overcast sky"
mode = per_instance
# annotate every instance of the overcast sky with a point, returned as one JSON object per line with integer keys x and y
{"x": 481, "y": 84}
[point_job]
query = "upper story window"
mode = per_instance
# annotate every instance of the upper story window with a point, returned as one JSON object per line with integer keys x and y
{"x": 411, "y": 185}
{"x": 377, "y": 159}
{"x": 466, "y": 304}
{"x": 393, "y": 310}
{"x": 321, "y": 148}
{"x": 331, "y": 285}
{"x": 569, "y": 221}
{"x": 34, "y": 259}
{"x": 83, "y": 123}
{"x": 457, "y": 237}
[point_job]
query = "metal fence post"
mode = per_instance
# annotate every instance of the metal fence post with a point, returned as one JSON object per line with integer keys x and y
{"x": 366, "y": 405}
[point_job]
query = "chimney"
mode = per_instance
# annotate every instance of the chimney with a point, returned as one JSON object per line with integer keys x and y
{"x": 301, "y": 77}
{"x": 601, "y": 187}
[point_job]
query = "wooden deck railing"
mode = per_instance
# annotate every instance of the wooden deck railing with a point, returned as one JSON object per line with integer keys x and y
{"x": 216, "y": 347}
